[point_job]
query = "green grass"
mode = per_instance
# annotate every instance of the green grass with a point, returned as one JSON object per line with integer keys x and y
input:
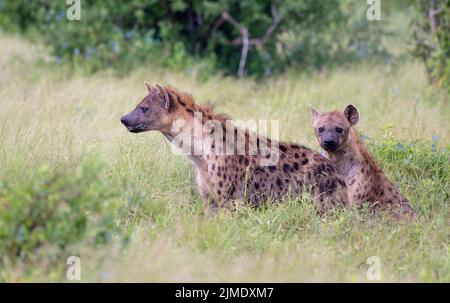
{"x": 60, "y": 118}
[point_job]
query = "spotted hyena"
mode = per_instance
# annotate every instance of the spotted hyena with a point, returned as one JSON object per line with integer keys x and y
{"x": 234, "y": 163}
{"x": 365, "y": 181}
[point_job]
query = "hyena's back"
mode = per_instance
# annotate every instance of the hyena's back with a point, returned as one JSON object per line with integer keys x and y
{"x": 299, "y": 169}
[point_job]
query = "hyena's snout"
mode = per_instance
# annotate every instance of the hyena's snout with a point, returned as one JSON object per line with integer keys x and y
{"x": 124, "y": 120}
{"x": 330, "y": 144}
{"x": 329, "y": 141}
{"x": 133, "y": 122}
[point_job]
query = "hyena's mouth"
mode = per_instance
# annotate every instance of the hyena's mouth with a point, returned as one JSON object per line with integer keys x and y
{"x": 137, "y": 129}
{"x": 330, "y": 148}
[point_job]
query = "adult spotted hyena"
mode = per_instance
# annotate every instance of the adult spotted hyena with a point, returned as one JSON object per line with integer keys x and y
{"x": 234, "y": 163}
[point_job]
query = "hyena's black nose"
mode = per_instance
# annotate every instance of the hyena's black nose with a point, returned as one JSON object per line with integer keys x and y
{"x": 328, "y": 143}
{"x": 124, "y": 120}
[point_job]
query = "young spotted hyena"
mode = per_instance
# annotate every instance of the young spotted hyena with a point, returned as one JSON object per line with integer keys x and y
{"x": 365, "y": 181}
{"x": 232, "y": 163}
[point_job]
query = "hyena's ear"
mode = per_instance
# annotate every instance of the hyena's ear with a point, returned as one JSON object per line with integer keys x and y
{"x": 314, "y": 113}
{"x": 166, "y": 96}
{"x": 352, "y": 115}
{"x": 149, "y": 87}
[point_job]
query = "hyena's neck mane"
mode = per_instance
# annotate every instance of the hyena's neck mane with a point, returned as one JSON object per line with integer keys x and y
{"x": 197, "y": 117}
{"x": 186, "y": 109}
{"x": 185, "y": 106}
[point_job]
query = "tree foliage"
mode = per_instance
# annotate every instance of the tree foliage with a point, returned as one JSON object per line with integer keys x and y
{"x": 310, "y": 33}
{"x": 431, "y": 33}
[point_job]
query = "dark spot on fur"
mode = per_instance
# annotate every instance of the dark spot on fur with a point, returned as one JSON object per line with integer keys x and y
{"x": 283, "y": 148}
{"x": 272, "y": 168}
{"x": 329, "y": 168}
{"x": 285, "y": 167}
{"x": 259, "y": 169}
{"x": 232, "y": 190}
{"x": 332, "y": 185}
{"x": 295, "y": 165}
{"x": 305, "y": 161}
{"x": 279, "y": 182}
{"x": 296, "y": 156}
{"x": 322, "y": 168}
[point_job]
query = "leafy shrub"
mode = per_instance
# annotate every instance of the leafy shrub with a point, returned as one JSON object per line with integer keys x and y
{"x": 42, "y": 215}
{"x": 432, "y": 39}
{"x": 179, "y": 33}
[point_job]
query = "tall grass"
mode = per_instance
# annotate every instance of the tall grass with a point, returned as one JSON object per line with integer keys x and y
{"x": 63, "y": 117}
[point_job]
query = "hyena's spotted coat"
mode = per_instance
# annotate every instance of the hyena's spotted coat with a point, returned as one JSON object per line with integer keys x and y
{"x": 365, "y": 181}
{"x": 223, "y": 178}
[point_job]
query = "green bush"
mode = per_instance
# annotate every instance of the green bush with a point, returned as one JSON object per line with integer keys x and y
{"x": 184, "y": 32}
{"x": 42, "y": 215}
{"x": 432, "y": 39}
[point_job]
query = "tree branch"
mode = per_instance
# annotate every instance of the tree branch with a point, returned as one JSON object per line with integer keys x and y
{"x": 245, "y": 40}
{"x": 244, "y": 52}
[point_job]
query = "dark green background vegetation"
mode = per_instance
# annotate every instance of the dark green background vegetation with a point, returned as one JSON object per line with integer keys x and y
{"x": 311, "y": 34}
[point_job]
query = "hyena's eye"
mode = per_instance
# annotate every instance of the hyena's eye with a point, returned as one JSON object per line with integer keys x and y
{"x": 339, "y": 130}
{"x": 144, "y": 109}
{"x": 321, "y": 129}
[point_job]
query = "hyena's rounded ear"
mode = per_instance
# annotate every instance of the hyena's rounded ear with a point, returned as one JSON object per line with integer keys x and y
{"x": 352, "y": 115}
{"x": 314, "y": 113}
{"x": 166, "y": 96}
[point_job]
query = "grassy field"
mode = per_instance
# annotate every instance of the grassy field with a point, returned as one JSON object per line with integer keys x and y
{"x": 56, "y": 117}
